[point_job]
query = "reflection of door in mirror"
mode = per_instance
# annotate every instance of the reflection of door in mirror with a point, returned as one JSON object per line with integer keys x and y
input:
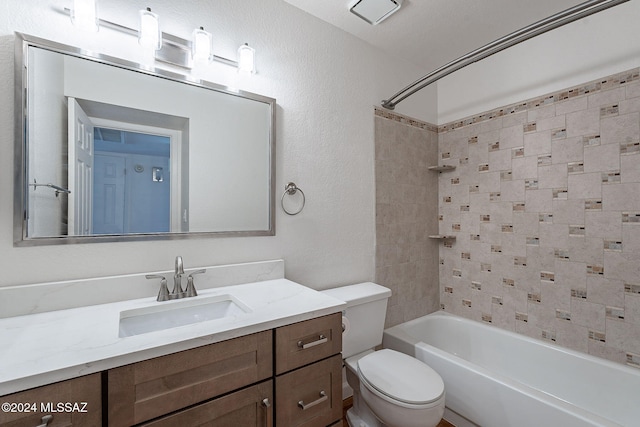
{"x": 119, "y": 175}
{"x": 81, "y": 158}
{"x": 130, "y": 195}
{"x": 143, "y": 203}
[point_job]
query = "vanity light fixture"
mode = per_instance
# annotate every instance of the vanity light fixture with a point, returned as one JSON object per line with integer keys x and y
{"x": 246, "y": 59}
{"x": 149, "y": 36}
{"x": 201, "y": 42}
{"x": 84, "y": 14}
{"x": 167, "y": 48}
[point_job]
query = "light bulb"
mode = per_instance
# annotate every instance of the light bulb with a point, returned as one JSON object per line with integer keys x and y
{"x": 201, "y": 45}
{"x": 84, "y": 14}
{"x": 149, "y": 33}
{"x": 246, "y": 59}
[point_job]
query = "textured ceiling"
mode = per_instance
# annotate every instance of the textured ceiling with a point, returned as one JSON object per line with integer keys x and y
{"x": 431, "y": 33}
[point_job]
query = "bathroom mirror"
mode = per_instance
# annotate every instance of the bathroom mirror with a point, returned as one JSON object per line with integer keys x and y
{"x": 109, "y": 150}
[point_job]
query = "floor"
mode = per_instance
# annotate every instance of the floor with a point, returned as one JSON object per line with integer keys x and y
{"x": 348, "y": 402}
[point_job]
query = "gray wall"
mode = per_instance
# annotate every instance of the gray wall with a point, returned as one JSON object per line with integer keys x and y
{"x": 406, "y": 213}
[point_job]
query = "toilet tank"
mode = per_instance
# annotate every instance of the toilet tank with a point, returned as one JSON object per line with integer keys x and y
{"x": 363, "y": 319}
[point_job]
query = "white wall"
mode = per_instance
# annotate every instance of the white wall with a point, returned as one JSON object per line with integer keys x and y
{"x": 46, "y": 211}
{"x": 600, "y": 45}
{"x": 326, "y": 83}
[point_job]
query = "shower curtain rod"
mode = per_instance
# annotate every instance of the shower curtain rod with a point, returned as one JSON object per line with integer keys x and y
{"x": 554, "y": 21}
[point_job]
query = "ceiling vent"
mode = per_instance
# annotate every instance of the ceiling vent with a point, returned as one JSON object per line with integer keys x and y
{"x": 374, "y": 11}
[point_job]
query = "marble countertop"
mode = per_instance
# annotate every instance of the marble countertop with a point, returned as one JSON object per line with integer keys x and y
{"x": 43, "y": 348}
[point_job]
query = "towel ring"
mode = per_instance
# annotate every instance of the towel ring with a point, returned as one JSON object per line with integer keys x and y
{"x": 291, "y": 189}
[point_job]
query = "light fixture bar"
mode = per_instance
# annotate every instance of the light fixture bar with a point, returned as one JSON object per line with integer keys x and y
{"x": 175, "y": 50}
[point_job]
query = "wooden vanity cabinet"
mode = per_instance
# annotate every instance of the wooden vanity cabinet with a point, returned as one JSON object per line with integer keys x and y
{"x": 289, "y": 376}
{"x": 76, "y": 402}
{"x": 156, "y": 387}
{"x": 249, "y": 407}
{"x": 309, "y": 372}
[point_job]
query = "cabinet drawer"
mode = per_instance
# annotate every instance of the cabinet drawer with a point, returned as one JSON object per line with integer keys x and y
{"x": 306, "y": 342}
{"x": 310, "y": 396}
{"x": 77, "y": 392}
{"x": 152, "y": 388}
{"x": 250, "y": 407}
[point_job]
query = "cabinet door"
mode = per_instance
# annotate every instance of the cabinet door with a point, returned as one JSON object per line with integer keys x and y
{"x": 250, "y": 407}
{"x": 310, "y": 396}
{"x": 76, "y": 402}
{"x": 306, "y": 342}
{"x": 145, "y": 390}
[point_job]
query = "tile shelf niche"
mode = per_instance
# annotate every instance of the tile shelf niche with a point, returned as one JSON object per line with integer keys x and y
{"x": 442, "y": 168}
{"x": 442, "y": 237}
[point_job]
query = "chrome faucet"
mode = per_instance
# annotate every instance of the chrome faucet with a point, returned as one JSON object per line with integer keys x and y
{"x": 177, "y": 291}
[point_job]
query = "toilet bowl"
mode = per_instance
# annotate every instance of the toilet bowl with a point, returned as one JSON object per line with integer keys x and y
{"x": 399, "y": 390}
{"x": 390, "y": 389}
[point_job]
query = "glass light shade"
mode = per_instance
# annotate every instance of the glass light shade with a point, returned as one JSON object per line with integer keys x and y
{"x": 149, "y": 32}
{"x": 246, "y": 59}
{"x": 84, "y": 14}
{"x": 201, "y": 45}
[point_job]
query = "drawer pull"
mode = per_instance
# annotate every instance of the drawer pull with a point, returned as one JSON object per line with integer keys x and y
{"x": 323, "y": 397}
{"x": 321, "y": 340}
{"x": 45, "y": 420}
{"x": 267, "y": 412}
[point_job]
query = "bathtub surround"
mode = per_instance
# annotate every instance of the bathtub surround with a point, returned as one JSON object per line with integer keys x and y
{"x": 406, "y": 213}
{"x": 545, "y": 202}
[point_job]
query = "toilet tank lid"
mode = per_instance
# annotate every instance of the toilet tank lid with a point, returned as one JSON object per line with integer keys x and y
{"x": 360, "y": 293}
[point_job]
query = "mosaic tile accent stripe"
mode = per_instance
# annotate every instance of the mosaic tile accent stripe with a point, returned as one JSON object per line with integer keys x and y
{"x": 633, "y": 360}
{"x": 579, "y": 293}
{"x": 590, "y": 88}
{"x": 405, "y": 120}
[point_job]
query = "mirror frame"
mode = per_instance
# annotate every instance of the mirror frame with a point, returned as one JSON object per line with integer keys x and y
{"x": 21, "y": 161}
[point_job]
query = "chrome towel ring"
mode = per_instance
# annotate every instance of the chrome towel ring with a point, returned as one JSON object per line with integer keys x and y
{"x": 291, "y": 189}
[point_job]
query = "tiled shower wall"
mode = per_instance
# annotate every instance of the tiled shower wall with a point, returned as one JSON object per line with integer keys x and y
{"x": 545, "y": 207}
{"x": 406, "y": 213}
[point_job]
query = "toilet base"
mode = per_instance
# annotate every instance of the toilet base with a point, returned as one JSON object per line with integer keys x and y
{"x": 354, "y": 420}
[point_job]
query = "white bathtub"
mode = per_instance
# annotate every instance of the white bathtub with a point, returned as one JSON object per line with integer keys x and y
{"x": 497, "y": 378}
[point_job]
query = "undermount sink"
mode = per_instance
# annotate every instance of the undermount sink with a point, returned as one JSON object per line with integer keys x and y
{"x": 176, "y": 313}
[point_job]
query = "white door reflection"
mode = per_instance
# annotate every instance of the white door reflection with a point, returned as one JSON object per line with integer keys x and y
{"x": 128, "y": 196}
{"x": 81, "y": 161}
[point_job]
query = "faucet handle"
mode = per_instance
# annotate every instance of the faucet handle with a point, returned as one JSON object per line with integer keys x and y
{"x": 202, "y": 270}
{"x": 163, "y": 293}
{"x": 191, "y": 288}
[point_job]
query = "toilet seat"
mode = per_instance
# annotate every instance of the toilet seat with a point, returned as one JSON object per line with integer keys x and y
{"x": 400, "y": 379}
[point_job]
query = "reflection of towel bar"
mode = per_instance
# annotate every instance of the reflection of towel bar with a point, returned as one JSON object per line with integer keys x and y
{"x": 57, "y": 188}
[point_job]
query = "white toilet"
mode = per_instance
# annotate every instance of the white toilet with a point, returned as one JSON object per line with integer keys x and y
{"x": 389, "y": 388}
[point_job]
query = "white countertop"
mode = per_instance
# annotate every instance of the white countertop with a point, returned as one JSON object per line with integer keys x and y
{"x": 39, "y": 349}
